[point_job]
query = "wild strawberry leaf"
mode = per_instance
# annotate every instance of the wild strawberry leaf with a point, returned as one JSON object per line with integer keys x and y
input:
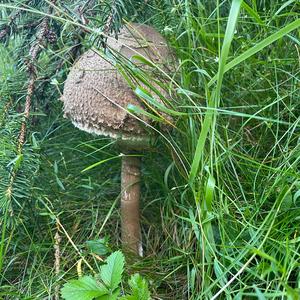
{"x": 111, "y": 272}
{"x": 84, "y": 288}
{"x": 139, "y": 288}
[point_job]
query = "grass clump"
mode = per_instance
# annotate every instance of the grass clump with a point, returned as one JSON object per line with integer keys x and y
{"x": 221, "y": 190}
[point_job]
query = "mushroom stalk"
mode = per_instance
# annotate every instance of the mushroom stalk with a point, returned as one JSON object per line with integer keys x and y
{"x": 130, "y": 204}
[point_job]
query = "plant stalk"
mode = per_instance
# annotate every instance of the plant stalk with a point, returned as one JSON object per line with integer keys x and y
{"x": 130, "y": 205}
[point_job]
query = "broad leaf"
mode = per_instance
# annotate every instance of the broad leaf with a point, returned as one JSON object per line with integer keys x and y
{"x": 139, "y": 288}
{"x": 99, "y": 247}
{"x": 113, "y": 296}
{"x": 111, "y": 272}
{"x": 84, "y": 288}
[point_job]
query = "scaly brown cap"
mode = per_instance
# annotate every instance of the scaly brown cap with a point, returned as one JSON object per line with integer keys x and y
{"x": 96, "y": 96}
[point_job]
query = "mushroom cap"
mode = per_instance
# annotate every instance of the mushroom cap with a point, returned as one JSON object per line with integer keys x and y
{"x": 96, "y": 96}
{"x": 141, "y": 39}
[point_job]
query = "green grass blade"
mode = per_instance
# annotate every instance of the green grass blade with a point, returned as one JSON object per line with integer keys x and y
{"x": 229, "y": 33}
{"x": 252, "y": 13}
{"x": 99, "y": 163}
{"x": 282, "y": 7}
{"x": 258, "y": 47}
{"x": 209, "y": 194}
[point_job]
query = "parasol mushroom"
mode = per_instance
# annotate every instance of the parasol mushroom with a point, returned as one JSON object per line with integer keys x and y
{"x": 96, "y": 97}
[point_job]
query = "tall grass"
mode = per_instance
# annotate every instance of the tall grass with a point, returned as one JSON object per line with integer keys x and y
{"x": 241, "y": 178}
{"x": 221, "y": 191}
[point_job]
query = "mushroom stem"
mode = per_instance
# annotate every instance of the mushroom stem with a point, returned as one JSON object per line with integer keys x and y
{"x": 130, "y": 206}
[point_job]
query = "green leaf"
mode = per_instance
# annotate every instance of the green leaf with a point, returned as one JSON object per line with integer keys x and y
{"x": 99, "y": 247}
{"x": 99, "y": 163}
{"x": 287, "y": 201}
{"x": 59, "y": 183}
{"x": 296, "y": 196}
{"x": 84, "y": 288}
{"x": 259, "y": 294}
{"x": 265, "y": 255}
{"x": 282, "y": 7}
{"x": 220, "y": 273}
{"x": 142, "y": 59}
{"x": 111, "y": 272}
{"x": 209, "y": 193}
{"x": 55, "y": 167}
{"x": 34, "y": 142}
{"x": 139, "y": 91}
{"x": 112, "y": 296}
{"x": 252, "y": 13}
{"x": 137, "y": 110}
{"x": 139, "y": 288}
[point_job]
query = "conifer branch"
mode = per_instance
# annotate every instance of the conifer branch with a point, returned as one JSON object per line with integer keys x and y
{"x": 34, "y": 52}
{"x": 6, "y": 30}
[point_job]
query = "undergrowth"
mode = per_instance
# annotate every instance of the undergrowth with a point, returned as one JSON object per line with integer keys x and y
{"x": 221, "y": 190}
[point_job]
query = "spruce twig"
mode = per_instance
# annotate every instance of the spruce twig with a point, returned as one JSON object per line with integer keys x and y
{"x": 33, "y": 52}
{"x": 6, "y": 30}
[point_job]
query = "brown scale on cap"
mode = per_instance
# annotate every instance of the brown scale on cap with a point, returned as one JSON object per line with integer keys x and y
{"x": 96, "y": 96}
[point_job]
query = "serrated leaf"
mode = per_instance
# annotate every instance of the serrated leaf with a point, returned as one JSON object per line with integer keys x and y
{"x": 111, "y": 272}
{"x": 139, "y": 288}
{"x": 84, "y": 288}
{"x": 113, "y": 296}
